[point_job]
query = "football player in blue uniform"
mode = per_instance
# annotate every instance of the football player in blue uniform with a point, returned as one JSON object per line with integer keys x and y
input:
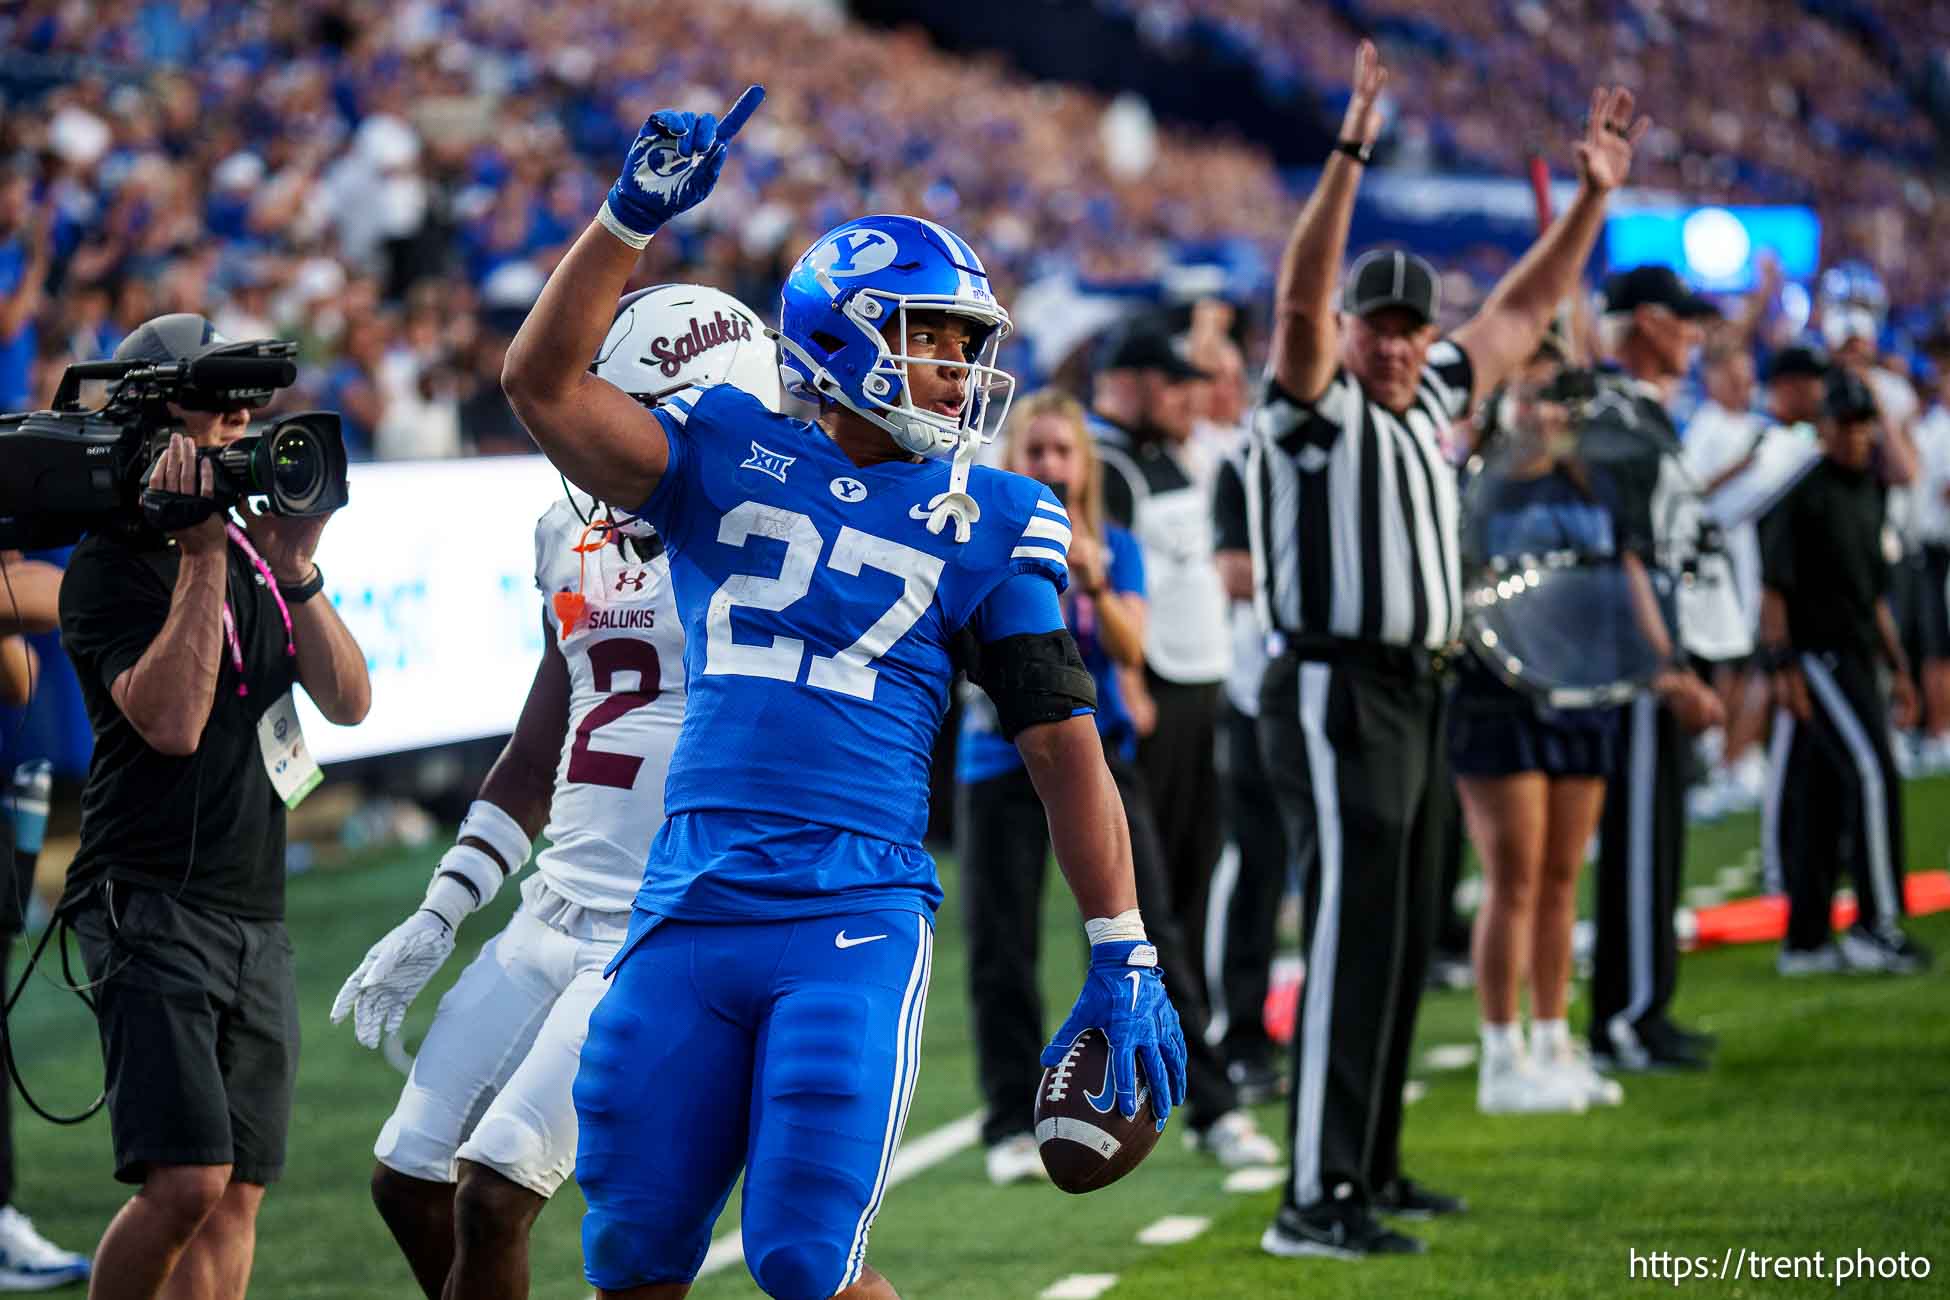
{"x": 765, "y": 1009}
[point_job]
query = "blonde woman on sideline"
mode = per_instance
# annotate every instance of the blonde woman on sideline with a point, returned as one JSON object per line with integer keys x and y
{"x": 1531, "y": 778}
{"x": 1002, "y": 835}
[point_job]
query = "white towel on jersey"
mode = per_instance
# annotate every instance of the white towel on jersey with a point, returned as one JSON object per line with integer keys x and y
{"x": 626, "y": 704}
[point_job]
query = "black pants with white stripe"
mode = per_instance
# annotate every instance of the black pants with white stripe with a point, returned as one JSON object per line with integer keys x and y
{"x": 1355, "y": 753}
{"x": 1002, "y": 844}
{"x": 1641, "y": 851}
{"x": 1180, "y": 763}
{"x": 1835, "y": 801}
{"x": 1242, "y": 919}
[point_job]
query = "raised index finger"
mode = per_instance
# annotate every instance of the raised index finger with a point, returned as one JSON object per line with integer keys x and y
{"x": 747, "y": 105}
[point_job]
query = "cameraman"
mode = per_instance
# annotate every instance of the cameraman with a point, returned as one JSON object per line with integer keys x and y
{"x": 187, "y": 645}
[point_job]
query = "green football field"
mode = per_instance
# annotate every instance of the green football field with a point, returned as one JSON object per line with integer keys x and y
{"x": 1824, "y": 1128}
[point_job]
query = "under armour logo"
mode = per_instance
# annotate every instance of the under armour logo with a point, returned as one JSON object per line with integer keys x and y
{"x": 632, "y": 580}
{"x": 768, "y": 462}
{"x": 848, "y": 489}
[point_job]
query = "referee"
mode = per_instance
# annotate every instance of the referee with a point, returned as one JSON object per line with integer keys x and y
{"x": 1354, "y": 513}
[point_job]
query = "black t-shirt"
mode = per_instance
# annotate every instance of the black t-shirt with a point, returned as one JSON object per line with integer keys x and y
{"x": 1821, "y": 549}
{"x": 209, "y": 828}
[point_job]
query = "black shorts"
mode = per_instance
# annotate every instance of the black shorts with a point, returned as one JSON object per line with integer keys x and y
{"x": 1933, "y": 603}
{"x": 198, "y": 1014}
{"x": 1504, "y": 742}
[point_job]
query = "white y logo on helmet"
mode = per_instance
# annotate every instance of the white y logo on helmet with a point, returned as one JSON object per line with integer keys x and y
{"x": 856, "y": 252}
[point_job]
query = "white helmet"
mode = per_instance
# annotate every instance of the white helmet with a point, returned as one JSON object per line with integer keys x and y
{"x": 670, "y": 337}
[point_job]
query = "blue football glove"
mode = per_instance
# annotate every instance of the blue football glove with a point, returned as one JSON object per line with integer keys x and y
{"x": 1124, "y": 996}
{"x": 671, "y": 168}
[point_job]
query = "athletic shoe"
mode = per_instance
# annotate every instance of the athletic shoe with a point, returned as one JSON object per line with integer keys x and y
{"x": 1648, "y": 1050}
{"x": 1511, "y": 1085}
{"x": 1235, "y": 1141}
{"x": 1886, "y": 951}
{"x": 1256, "y": 1081}
{"x": 1933, "y": 755}
{"x": 1796, "y": 962}
{"x": 1407, "y": 1199}
{"x": 1334, "y": 1230}
{"x": 1571, "y": 1066}
{"x": 1016, "y": 1160}
{"x": 29, "y": 1261}
{"x": 1697, "y": 1039}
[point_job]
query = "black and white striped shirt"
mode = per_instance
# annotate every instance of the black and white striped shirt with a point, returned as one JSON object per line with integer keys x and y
{"x": 1353, "y": 510}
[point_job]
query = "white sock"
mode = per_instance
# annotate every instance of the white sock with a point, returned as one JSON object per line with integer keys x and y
{"x": 1550, "y": 1039}
{"x": 1502, "y": 1042}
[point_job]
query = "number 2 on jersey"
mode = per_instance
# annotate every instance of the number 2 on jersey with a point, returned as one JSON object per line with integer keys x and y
{"x": 621, "y": 654}
{"x": 849, "y": 672}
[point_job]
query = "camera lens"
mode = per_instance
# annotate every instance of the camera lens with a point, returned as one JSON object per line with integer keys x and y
{"x": 295, "y": 465}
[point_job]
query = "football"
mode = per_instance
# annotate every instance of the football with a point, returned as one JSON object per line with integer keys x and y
{"x": 1084, "y": 1139}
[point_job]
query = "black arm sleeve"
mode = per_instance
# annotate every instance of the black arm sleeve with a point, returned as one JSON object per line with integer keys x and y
{"x": 1032, "y": 678}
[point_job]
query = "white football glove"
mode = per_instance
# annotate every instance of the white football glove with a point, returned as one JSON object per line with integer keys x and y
{"x": 392, "y": 975}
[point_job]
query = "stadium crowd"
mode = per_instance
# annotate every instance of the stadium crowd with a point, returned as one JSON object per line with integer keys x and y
{"x": 1837, "y": 115}
{"x": 346, "y": 177}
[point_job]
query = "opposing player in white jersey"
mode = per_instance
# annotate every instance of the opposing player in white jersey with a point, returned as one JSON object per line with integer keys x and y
{"x": 485, "y": 1130}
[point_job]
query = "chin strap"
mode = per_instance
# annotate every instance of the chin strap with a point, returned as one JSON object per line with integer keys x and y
{"x": 955, "y": 503}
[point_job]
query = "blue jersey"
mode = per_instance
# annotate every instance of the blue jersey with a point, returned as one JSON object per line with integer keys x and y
{"x": 981, "y": 752}
{"x": 818, "y": 613}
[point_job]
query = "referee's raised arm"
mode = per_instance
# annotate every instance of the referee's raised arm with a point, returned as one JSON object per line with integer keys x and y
{"x": 1504, "y": 333}
{"x": 1306, "y": 328}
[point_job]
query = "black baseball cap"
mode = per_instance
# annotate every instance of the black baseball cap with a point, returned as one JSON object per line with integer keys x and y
{"x": 1797, "y": 360}
{"x": 1847, "y": 398}
{"x": 1389, "y": 277}
{"x": 1146, "y": 344}
{"x": 1652, "y": 285}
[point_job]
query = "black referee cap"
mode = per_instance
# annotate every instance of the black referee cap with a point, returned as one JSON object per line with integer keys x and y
{"x": 1389, "y": 277}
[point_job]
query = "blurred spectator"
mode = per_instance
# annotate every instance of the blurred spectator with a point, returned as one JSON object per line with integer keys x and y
{"x": 25, "y": 246}
{"x": 1933, "y": 532}
{"x": 1144, "y": 403}
{"x": 1002, "y": 837}
{"x": 1719, "y": 443}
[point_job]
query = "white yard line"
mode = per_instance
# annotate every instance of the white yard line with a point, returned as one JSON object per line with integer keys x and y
{"x": 1173, "y": 1230}
{"x": 1259, "y": 1178}
{"x": 1079, "y": 1286}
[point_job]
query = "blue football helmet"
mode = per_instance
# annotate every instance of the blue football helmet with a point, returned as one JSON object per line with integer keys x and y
{"x": 851, "y": 284}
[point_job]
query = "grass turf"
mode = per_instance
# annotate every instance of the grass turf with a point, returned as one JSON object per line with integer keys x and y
{"x": 1824, "y": 1127}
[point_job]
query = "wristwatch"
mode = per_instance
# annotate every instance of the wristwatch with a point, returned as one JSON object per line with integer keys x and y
{"x": 297, "y": 593}
{"x": 1356, "y": 150}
